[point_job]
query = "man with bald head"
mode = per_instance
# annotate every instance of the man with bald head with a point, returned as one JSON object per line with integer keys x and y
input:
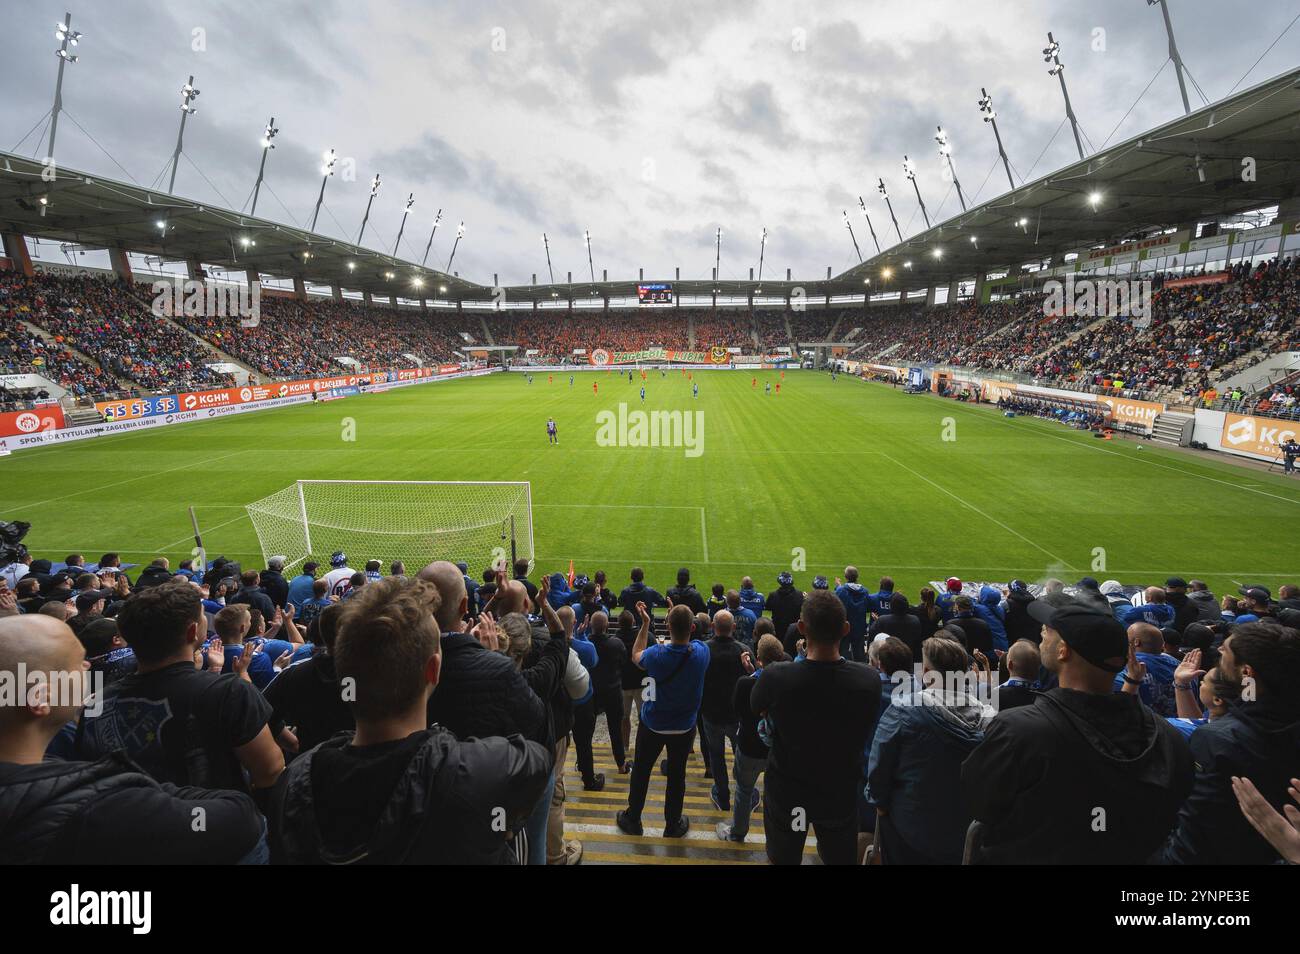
{"x": 65, "y": 812}
{"x": 480, "y": 693}
{"x": 1023, "y": 663}
{"x": 729, "y": 662}
{"x": 1156, "y": 686}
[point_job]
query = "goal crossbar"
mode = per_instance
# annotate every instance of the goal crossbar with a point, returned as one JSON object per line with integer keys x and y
{"x": 412, "y": 521}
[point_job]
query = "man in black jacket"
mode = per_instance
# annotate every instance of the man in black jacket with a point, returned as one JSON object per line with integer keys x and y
{"x": 480, "y": 692}
{"x": 727, "y": 659}
{"x": 638, "y": 592}
{"x": 273, "y": 583}
{"x": 975, "y": 633}
{"x": 1086, "y": 775}
{"x": 1019, "y": 624}
{"x": 57, "y": 812}
{"x": 307, "y": 696}
{"x": 901, "y": 622}
{"x": 1258, "y": 738}
{"x": 685, "y": 593}
{"x": 819, "y": 712}
{"x": 1023, "y": 662}
{"x": 251, "y": 594}
{"x": 398, "y": 792}
{"x": 784, "y": 603}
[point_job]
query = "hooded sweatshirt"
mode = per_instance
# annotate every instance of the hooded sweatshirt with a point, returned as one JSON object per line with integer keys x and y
{"x": 857, "y": 604}
{"x": 988, "y": 608}
{"x": 915, "y": 767}
{"x": 1076, "y": 778}
{"x": 425, "y": 799}
{"x": 751, "y": 600}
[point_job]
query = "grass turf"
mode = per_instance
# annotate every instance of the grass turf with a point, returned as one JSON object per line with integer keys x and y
{"x": 844, "y": 471}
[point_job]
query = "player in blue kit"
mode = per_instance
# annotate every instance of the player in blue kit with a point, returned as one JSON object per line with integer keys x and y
{"x": 552, "y": 434}
{"x": 643, "y": 395}
{"x": 695, "y": 390}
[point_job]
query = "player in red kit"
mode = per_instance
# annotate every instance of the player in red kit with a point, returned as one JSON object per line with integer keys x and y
{"x": 595, "y": 385}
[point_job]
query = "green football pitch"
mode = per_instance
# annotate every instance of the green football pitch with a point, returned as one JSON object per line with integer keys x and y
{"x": 824, "y": 474}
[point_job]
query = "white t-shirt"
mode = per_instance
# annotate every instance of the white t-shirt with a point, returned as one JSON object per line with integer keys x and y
{"x": 338, "y": 580}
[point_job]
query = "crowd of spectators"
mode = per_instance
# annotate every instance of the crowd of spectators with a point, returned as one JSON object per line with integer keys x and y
{"x": 103, "y": 320}
{"x": 973, "y": 722}
{"x": 295, "y": 338}
{"x": 1198, "y": 335}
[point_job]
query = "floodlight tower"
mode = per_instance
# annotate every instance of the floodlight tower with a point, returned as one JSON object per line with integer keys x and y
{"x": 410, "y": 201}
{"x": 945, "y": 153}
{"x": 436, "y": 219}
{"x": 717, "y": 257}
{"x": 885, "y": 194}
{"x": 66, "y": 36}
{"x": 374, "y": 191}
{"x": 1173, "y": 52}
{"x": 546, "y": 244}
{"x": 268, "y": 143}
{"x": 991, "y": 117}
{"x": 871, "y": 227}
{"x": 587, "y": 236}
{"x": 762, "y": 248}
{"x": 188, "y": 94}
{"x": 909, "y": 170}
{"x": 849, "y": 225}
{"x": 1051, "y": 54}
{"x": 326, "y": 170}
{"x": 460, "y": 233}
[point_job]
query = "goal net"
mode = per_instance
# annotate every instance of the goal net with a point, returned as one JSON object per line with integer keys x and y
{"x": 415, "y": 521}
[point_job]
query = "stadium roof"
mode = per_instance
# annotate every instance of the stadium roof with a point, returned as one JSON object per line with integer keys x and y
{"x": 1185, "y": 171}
{"x": 1148, "y": 183}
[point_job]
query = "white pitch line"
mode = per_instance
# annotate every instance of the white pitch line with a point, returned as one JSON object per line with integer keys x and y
{"x": 704, "y": 535}
{"x": 190, "y": 536}
{"x": 617, "y": 506}
{"x": 156, "y": 473}
{"x": 1140, "y": 460}
{"x": 971, "y": 506}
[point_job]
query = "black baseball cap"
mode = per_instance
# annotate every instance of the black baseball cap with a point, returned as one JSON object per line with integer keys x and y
{"x": 1175, "y": 583}
{"x": 1260, "y": 593}
{"x": 1091, "y": 631}
{"x": 88, "y": 598}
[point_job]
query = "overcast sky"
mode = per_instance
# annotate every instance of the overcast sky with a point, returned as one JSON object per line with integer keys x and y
{"x": 650, "y": 124}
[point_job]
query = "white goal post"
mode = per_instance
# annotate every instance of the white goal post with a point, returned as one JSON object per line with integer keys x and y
{"x": 416, "y": 521}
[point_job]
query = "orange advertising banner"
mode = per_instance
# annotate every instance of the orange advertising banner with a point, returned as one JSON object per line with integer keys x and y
{"x": 1264, "y": 436}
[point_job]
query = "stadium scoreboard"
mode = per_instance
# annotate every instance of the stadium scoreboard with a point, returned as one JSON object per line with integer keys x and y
{"x": 654, "y": 293}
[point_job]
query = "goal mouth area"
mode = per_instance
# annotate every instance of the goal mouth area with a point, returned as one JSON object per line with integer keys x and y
{"x": 413, "y": 522}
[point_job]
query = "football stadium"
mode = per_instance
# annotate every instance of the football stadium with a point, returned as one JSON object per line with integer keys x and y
{"x": 361, "y": 519}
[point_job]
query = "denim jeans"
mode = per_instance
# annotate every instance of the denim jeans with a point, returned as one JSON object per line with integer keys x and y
{"x": 536, "y": 824}
{"x": 260, "y": 853}
{"x": 715, "y": 744}
{"x": 747, "y": 772}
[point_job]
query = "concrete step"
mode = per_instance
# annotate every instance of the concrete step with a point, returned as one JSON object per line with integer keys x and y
{"x": 589, "y": 817}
